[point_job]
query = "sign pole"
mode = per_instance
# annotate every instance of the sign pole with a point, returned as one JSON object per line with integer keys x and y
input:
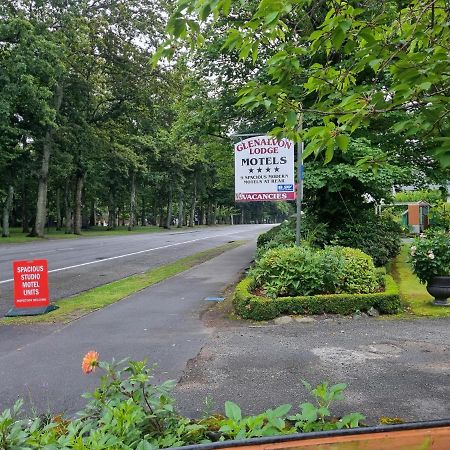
{"x": 298, "y": 228}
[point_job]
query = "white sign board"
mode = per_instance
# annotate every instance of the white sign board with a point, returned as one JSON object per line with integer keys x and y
{"x": 264, "y": 170}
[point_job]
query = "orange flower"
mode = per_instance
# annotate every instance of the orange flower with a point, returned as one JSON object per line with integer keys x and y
{"x": 90, "y": 361}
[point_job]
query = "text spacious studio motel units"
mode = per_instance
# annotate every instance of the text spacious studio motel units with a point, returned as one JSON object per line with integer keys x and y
{"x": 264, "y": 169}
{"x": 31, "y": 284}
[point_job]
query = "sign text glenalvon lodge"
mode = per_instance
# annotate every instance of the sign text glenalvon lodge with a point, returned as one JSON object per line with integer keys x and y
{"x": 264, "y": 169}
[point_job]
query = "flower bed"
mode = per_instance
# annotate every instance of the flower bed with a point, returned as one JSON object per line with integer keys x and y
{"x": 255, "y": 307}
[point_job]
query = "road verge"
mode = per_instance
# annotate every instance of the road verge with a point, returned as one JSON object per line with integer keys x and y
{"x": 79, "y": 305}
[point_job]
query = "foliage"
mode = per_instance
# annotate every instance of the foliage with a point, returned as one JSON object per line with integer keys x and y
{"x": 440, "y": 216}
{"x": 430, "y": 255}
{"x": 378, "y": 236}
{"x": 317, "y": 417}
{"x": 425, "y": 195}
{"x": 358, "y": 274}
{"x": 255, "y": 307}
{"x": 418, "y": 301}
{"x": 128, "y": 412}
{"x": 302, "y": 270}
{"x": 343, "y": 63}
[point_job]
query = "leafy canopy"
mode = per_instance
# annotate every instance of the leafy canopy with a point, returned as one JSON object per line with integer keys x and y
{"x": 342, "y": 61}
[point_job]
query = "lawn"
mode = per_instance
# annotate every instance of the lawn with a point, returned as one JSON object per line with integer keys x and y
{"x": 17, "y": 237}
{"x": 413, "y": 293}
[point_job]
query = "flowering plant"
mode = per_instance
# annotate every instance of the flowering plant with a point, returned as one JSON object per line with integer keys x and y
{"x": 430, "y": 255}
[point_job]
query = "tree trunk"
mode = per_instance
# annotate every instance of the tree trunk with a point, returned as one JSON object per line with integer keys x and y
{"x": 77, "y": 220}
{"x": 111, "y": 212}
{"x": 67, "y": 208}
{"x": 41, "y": 204}
{"x": 131, "y": 224}
{"x": 193, "y": 204}
{"x": 25, "y": 217}
{"x": 7, "y": 211}
{"x": 161, "y": 217}
{"x": 214, "y": 214}
{"x": 92, "y": 215}
{"x": 181, "y": 210}
{"x": 169, "y": 209}
{"x": 58, "y": 209}
{"x": 143, "y": 212}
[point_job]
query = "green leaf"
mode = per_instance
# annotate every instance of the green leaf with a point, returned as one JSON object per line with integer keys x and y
{"x": 232, "y": 411}
{"x": 282, "y": 410}
{"x": 291, "y": 119}
{"x": 329, "y": 152}
{"x": 271, "y": 17}
{"x": 342, "y": 141}
{"x": 338, "y": 37}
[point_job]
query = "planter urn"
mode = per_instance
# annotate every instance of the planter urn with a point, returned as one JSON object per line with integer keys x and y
{"x": 439, "y": 288}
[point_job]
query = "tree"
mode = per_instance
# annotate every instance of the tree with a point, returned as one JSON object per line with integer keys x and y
{"x": 344, "y": 64}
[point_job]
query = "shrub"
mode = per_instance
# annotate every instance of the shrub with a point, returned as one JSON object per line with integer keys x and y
{"x": 379, "y": 237}
{"x": 440, "y": 216}
{"x": 358, "y": 275}
{"x": 314, "y": 234}
{"x": 305, "y": 271}
{"x": 298, "y": 270}
{"x": 430, "y": 255}
{"x": 128, "y": 412}
{"x": 251, "y": 306}
{"x": 279, "y": 237}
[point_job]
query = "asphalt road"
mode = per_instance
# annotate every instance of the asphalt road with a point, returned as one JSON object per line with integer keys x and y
{"x": 76, "y": 265}
{"x": 393, "y": 368}
{"x": 42, "y": 364}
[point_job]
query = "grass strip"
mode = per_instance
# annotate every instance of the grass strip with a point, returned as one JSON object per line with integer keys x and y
{"x": 412, "y": 292}
{"x": 81, "y": 304}
{"x": 17, "y": 237}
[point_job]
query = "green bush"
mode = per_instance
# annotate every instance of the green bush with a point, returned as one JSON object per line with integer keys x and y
{"x": 314, "y": 234}
{"x": 250, "y": 306}
{"x": 430, "y": 255}
{"x": 359, "y": 274}
{"x": 298, "y": 270}
{"x": 129, "y": 412}
{"x": 303, "y": 270}
{"x": 379, "y": 237}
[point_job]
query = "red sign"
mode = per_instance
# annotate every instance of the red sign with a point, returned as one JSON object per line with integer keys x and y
{"x": 31, "y": 284}
{"x": 264, "y": 196}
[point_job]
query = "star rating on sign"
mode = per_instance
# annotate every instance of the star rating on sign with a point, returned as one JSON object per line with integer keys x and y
{"x": 259, "y": 170}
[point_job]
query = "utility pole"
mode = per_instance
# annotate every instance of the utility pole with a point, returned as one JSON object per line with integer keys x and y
{"x": 298, "y": 228}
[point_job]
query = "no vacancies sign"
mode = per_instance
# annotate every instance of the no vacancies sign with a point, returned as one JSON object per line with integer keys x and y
{"x": 264, "y": 169}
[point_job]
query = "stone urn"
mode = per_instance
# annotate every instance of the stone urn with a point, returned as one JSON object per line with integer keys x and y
{"x": 439, "y": 288}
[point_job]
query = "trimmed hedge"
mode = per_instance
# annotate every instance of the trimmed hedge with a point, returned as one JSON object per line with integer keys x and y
{"x": 250, "y": 306}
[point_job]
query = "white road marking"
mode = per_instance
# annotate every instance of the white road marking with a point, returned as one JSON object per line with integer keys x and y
{"x": 130, "y": 254}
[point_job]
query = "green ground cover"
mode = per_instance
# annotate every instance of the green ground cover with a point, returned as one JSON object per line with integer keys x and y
{"x": 79, "y": 305}
{"x": 412, "y": 292}
{"x": 17, "y": 237}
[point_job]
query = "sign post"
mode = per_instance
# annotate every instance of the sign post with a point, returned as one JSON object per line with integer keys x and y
{"x": 31, "y": 291}
{"x": 264, "y": 169}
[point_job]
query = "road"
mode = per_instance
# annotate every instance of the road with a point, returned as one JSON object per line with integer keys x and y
{"x": 76, "y": 265}
{"x": 162, "y": 323}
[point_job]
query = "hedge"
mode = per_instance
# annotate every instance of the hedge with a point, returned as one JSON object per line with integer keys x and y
{"x": 250, "y": 306}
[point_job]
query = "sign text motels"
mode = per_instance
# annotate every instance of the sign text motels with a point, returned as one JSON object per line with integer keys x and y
{"x": 264, "y": 169}
{"x": 31, "y": 284}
